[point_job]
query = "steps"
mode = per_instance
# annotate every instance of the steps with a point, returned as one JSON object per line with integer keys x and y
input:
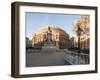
{"x": 48, "y": 48}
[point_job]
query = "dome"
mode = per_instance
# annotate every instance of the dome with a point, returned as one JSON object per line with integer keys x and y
{"x": 53, "y": 28}
{"x": 59, "y": 37}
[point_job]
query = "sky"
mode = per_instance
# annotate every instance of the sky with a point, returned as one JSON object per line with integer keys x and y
{"x": 34, "y": 21}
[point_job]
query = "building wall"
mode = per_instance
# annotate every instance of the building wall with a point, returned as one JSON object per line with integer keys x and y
{"x": 59, "y": 37}
{"x": 28, "y": 43}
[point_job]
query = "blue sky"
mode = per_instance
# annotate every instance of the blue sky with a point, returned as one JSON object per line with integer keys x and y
{"x": 34, "y": 21}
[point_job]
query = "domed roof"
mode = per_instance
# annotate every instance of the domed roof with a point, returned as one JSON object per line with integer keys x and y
{"x": 53, "y": 28}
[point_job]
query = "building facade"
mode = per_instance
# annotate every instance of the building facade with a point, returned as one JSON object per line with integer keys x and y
{"x": 28, "y": 43}
{"x": 60, "y": 38}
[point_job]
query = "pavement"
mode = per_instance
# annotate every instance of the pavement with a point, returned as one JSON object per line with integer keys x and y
{"x": 47, "y": 58}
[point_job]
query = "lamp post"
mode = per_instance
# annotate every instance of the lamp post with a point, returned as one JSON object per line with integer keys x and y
{"x": 79, "y": 31}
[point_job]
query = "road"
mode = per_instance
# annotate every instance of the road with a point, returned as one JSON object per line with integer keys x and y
{"x": 55, "y": 58}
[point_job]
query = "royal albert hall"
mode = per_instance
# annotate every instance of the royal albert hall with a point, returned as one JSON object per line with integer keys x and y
{"x": 59, "y": 38}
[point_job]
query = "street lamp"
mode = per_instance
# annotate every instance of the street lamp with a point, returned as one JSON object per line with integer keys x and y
{"x": 79, "y": 31}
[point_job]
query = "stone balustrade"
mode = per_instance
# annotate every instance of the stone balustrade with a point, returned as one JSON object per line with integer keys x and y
{"x": 76, "y": 58}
